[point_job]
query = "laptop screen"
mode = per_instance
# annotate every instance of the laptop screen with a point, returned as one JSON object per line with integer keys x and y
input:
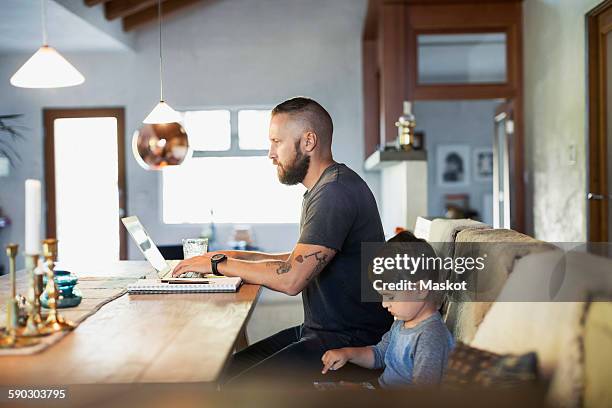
{"x": 146, "y": 245}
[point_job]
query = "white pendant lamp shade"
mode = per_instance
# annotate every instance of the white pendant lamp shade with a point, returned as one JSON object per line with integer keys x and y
{"x": 47, "y": 69}
{"x": 162, "y": 113}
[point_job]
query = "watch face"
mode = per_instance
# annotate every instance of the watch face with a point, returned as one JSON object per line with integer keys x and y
{"x": 218, "y": 257}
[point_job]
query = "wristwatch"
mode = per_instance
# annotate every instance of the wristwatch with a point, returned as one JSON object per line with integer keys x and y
{"x": 216, "y": 260}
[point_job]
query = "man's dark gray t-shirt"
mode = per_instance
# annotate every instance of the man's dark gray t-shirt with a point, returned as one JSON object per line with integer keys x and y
{"x": 340, "y": 212}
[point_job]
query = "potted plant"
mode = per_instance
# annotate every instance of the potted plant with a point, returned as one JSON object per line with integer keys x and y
{"x": 9, "y": 132}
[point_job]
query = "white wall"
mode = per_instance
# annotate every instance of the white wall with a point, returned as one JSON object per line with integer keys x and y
{"x": 404, "y": 195}
{"x": 232, "y": 52}
{"x": 555, "y": 116}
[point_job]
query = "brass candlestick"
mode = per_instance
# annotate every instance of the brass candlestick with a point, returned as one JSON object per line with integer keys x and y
{"x": 9, "y": 339}
{"x": 34, "y": 320}
{"x": 12, "y": 306}
{"x": 12, "y": 309}
{"x": 55, "y": 322}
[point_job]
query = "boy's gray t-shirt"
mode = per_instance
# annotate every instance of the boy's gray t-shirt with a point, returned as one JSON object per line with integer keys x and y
{"x": 340, "y": 212}
{"x": 416, "y": 355}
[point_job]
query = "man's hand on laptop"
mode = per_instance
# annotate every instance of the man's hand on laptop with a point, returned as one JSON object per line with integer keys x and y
{"x": 200, "y": 264}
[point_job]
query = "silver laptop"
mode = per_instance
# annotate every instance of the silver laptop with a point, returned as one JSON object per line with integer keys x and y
{"x": 151, "y": 253}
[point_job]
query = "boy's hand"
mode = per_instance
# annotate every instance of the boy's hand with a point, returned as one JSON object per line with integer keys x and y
{"x": 334, "y": 359}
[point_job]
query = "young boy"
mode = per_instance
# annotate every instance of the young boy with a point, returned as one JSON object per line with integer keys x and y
{"x": 415, "y": 350}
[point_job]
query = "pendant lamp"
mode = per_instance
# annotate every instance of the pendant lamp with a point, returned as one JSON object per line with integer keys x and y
{"x": 46, "y": 68}
{"x": 162, "y": 112}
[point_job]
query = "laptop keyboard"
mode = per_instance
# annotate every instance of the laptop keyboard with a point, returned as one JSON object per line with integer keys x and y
{"x": 189, "y": 275}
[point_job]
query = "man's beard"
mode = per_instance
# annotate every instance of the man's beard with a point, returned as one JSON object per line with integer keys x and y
{"x": 295, "y": 172}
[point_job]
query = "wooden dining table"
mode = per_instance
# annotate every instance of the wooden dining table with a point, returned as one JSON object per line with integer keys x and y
{"x": 145, "y": 338}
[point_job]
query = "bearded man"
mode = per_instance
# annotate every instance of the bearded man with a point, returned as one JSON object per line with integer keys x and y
{"x": 339, "y": 212}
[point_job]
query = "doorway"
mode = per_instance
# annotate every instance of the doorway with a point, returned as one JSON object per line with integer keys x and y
{"x": 599, "y": 193}
{"x": 85, "y": 183}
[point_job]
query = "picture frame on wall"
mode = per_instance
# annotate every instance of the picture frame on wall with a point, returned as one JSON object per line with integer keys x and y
{"x": 483, "y": 164}
{"x": 453, "y": 165}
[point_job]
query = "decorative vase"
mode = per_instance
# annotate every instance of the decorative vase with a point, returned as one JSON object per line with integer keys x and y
{"x": 69, "y": 294}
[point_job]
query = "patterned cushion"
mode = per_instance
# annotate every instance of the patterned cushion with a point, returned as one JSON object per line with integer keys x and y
{"x": 471, "y": 366}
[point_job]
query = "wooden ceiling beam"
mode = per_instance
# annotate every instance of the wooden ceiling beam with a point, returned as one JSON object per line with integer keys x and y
{"x": 149, "y": 14}
{"x": 444, "y": 2}
{"x": 370, "y": 28}
{"x": 122, "y": 8}
{"x": 91, "y": 3}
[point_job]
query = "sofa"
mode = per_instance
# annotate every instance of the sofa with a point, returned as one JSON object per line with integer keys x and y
{"x": 542, "y": 298}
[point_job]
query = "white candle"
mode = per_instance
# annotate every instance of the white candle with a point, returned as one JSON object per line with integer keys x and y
{"x": 33, "y": 206}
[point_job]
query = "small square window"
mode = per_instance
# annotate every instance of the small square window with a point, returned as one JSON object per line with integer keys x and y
{"x": 208, "y": 130}
{"x": 476, "y": 58}
{"x": 253, "y": 128}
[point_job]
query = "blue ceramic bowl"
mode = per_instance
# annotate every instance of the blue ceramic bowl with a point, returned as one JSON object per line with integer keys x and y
{"x": 69, "y": 294}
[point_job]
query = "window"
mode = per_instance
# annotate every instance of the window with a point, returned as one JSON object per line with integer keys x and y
{"x": 237, "y": 189}
{"x": 208, "y": 130}
{"x": 461, "y": 58}
{"x": 229, "y": 174}
{"x": 253, "y": 129}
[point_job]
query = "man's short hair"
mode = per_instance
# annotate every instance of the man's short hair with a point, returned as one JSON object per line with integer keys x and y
{"x": 313, "y": 116}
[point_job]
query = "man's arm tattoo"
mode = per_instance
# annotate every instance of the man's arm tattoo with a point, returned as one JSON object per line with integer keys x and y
{"x": 282, "y": 266}
{"x": 321, "y": 262}
{"x": 285, "y": 266}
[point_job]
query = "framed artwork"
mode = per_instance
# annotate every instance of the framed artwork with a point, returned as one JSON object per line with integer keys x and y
{"x": 453, "y": 165}
{"x": 483, "y": 164}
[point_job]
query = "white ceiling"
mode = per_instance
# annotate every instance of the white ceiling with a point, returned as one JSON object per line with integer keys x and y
{"x": 20, "y": 29}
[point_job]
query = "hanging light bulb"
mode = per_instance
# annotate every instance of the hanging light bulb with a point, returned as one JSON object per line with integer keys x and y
{"x": 46, "y": 68}
{"x": 157, "y": 146}
{"x": 162, "y": 141}
{"x": 162, "y": 112}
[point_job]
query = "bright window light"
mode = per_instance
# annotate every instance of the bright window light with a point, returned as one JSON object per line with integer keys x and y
{"x": 208, "y": 130}
{"x": 237, "y": 189}
{"x": 86, "y": 191}
{"x": 253, "y": 129}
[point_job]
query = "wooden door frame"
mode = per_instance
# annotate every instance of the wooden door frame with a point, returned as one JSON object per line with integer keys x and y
{"x": 488, "y": 17}
{"x": 598, "y": 23}
{"x": 49, "y": 116}
{"x": 391, "y": 58}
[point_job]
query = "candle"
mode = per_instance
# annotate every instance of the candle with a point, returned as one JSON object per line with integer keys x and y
{"x": 33, "y": 206}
